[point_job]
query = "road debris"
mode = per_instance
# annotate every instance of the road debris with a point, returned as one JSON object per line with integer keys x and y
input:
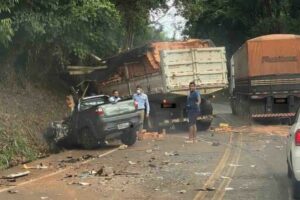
{"x": 131, "y": 162}
{"x": 253, "y": 166}
{"x": 13, "y": 191}
{"x": 223, "y": 127}
{"x": 144, "y": 135}
{"x": 152, "y": 165}
{"x": 68, "y": 176}
{"x": 149, "y": 151}
{"x": 202, "y": 173}
{"x": 209, "y": 189}
{"x": 105, "y": 171}
{"x": 229, "y": 189}
{"x": 182, "y": 191}
{"x": 215, "y": 144}
{"x": 172, "y": 153}
{"x": 80, "y": 183}
{"x": 225, "y": 177}
{"x": 123, "y": 147}
{"x": 87, "y": 156}
{"x": 40, "y": 166}
{"x": 127, "y": 173}
{"x": 17, "y": 175}
{"x": 234, "y": 165}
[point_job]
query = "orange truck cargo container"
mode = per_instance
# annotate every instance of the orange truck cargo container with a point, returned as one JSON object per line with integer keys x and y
{"x": 265, "y": 77}
{"x": 164, "y": 70}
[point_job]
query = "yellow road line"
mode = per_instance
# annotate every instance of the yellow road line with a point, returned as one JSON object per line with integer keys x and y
{"x": 220, "y": 192}
{"x": 54, "y": 173}
{"x": 217, "y": 172}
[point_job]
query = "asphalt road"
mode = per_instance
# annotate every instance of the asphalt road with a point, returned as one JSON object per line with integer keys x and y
{"x": 239, "y": 164}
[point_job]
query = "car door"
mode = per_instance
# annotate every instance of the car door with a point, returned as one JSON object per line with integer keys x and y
{"x": 291, "y": 134}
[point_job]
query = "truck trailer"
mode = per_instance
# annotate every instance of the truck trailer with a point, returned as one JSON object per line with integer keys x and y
{"x": 265, "y": 77}
{"x": 164, "y": 70}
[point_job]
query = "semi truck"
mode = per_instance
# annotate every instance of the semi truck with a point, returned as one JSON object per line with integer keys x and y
{"x": 265, "y": 77}
{"x": 164, "y": 70}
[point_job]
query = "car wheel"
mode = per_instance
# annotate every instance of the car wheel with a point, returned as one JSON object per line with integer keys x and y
{"x": 87, "y": 139}
{"x": 290, "y": 173}
{"x": 295, "y": 188}
{"x": 129, "y": 137}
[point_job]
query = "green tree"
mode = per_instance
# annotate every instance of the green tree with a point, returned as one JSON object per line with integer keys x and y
{"x": 6, "y": 31}
{"x": 135, "y": 18}
{"x": 49, "y": 33}
{"x": 232, "y": 22}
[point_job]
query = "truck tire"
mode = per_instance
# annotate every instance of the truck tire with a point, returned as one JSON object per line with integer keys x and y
{"x": 233, "y": 106}
{"x": 203, "y": 125}
{"x": 257, "y": 107}
{"x": 87, "y": 140}
{"x": 206, "y": 107}
{"x": 129, "y": 136}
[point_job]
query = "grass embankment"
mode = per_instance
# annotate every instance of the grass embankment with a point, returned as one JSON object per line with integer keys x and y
{"x": 24, "y": 115}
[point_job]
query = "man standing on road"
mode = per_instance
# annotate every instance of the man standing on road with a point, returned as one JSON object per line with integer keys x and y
{"x": 143, "y": 103}
{"x": 115, "y": 97}
{"x": 193, "y": 110}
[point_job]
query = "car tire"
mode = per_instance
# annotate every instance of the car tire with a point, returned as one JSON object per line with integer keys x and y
{"x": 289, "y": 172}
{"x": 129, "y": 136}
{"x": 295, "y": 188}
{"x": 87, "y": 140}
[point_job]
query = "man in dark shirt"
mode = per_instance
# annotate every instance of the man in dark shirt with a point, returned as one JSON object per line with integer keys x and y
{"x": 193, "y": 109}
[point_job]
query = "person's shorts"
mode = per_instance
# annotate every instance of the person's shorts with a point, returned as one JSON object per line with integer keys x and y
{"x": 193, "y": 115}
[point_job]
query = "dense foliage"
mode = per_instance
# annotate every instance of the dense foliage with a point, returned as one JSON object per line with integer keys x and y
{"x": 40, "y": 37}
{"x": 231, "y": 22}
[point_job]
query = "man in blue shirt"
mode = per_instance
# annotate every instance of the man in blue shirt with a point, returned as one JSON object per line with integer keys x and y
{"x": 143, "y": 103}
{"x": 193, "y": 109}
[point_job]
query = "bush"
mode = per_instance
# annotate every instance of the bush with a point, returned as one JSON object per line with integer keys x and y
{"x": 14, "y": 148}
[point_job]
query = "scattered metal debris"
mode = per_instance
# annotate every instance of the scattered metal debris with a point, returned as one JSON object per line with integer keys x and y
{"x": 80, "y": 183}
{"x": 234, "y": 165}
{"x": 123, "y": 147}
{"x": 215, "y": 144}
{"x": 182, "y": 191}
{"x": 13, "y": 191}
{"x": 17, "y": 175}
{"x": 172, "y": 153}
{"x": 40, "y": 166}
{"x": 131, "y": 162}
{"x": 202, "y": 173}
{"x": 229, "y": 189}
{"x": 149, "y": 151}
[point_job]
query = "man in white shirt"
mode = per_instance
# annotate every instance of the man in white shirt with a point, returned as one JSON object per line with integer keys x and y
{"x": 115, "y": 97}
{"x": 143, "y": 103}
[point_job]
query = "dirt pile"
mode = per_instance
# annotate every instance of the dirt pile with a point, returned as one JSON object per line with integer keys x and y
{"x": 24, "y": 115}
